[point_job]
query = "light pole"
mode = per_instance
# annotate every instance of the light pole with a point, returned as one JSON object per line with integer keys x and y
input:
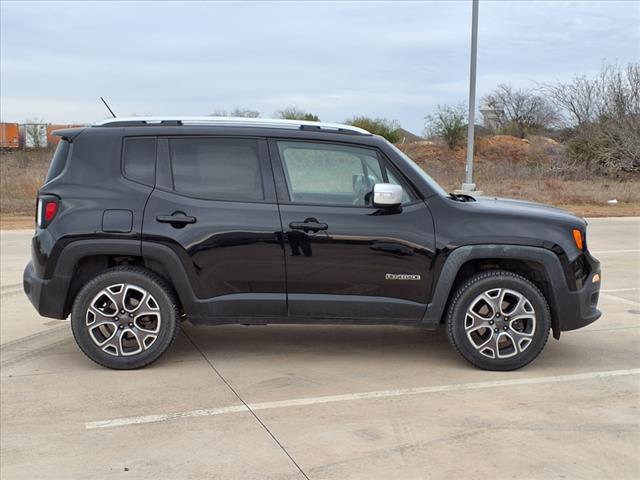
{"x": 469, "y": 186}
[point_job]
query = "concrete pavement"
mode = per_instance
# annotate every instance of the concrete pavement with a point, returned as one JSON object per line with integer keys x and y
{"x": 325, "y": 402}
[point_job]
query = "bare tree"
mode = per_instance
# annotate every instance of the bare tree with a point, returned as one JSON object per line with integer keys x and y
{"x": 523, "y": 111}
{"x": 614, "y": 93}
{"x": 604, "y": 111}
{"x": 578, "y": 100}
{"x": 620, "y": 90}
{"x": 35, "y": 133}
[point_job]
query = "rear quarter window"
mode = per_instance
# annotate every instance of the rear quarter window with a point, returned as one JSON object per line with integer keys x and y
{"x": 59, "y": 160}
{"x": 139, "y": 159}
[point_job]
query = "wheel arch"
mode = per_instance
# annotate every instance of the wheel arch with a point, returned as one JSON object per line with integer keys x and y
{"x": 540, "y": 266}
{"x": 82, "y": 260}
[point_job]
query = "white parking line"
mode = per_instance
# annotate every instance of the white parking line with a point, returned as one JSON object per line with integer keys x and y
{"x": 120, "y": 422}
{"x": 612, "y": 290}
{"x": 600, "y": 252}
{"x": 620, "y": 299}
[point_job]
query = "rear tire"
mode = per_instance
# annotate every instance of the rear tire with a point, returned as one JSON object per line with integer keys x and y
{"x": 125, "y": 318}
{"x": 498, "y": 320}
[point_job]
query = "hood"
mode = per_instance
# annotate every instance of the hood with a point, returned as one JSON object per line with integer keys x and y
{"x": 489, "y": 220}
{"x": 532, "y": 210}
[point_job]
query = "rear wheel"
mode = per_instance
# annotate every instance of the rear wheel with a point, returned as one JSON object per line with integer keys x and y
{"x": 125, "y": 318}
{"x": 498, "y": 320}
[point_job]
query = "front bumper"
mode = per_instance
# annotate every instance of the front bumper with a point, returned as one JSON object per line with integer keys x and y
{"x": 577, "y": 309}
{"x": 48, "y": 296}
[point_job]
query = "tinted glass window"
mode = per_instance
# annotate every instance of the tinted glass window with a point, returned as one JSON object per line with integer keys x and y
{"x": 391, "y": 178}
{"x": 214, "y": 168}
{"x": 58, "y": 161}
{"x": 329, "y": 174}
{"x": 419, "y": 171}
{"x": 140, "y": 160}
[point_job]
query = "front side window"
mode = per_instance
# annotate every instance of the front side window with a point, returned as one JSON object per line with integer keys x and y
{"x": 419, "y": 171}
{"x": 392, "y": 178}
{"x": 329, "y": 174}
{"x": 217, "y": 168}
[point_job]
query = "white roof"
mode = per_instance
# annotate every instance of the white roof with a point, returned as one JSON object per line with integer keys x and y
{"x": 235, "y": 122}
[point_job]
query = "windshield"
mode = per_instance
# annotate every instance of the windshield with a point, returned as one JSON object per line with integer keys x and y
{"x": 432, "y": 183}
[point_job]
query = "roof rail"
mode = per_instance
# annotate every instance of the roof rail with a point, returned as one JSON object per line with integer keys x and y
{"x": 231, "y": 122}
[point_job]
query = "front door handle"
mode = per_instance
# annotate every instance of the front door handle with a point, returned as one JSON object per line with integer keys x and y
{"x": 176, "y": 219}
{"x": 309, "y": 225}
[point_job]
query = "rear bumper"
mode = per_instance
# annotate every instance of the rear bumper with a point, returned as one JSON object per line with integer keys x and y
{"x": 47, "y": 295}
{"x": 577, "y": 309}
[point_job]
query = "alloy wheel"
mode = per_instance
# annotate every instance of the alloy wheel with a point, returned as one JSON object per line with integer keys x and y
{"x": 500, "y": 323}
{"x": 123, "y": 320}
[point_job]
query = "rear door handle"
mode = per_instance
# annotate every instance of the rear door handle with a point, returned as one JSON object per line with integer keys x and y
{"x": 308, "y": 226}
{"x": 176, "y": 218}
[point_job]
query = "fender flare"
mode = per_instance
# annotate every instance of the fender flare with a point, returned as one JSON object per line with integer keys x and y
{"x": 76, "y": 250}
{"x": 550, "y": 262}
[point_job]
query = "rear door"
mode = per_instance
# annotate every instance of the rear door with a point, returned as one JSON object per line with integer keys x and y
{"x": 214, "y": 205}
{"x": 346, "y": 259}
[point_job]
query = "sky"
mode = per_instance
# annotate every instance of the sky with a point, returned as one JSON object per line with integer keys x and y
{"x": 397, "y": 60}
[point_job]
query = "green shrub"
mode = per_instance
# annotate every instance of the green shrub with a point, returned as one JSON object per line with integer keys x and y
{"x": 378, "y": 126}
{"x": 448, "y": 124}
{"x": 294, "y": 113}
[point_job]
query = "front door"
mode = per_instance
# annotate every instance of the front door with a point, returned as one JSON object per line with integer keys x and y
{"x": 214, "y": 206}
{"x": 346, "y": 259}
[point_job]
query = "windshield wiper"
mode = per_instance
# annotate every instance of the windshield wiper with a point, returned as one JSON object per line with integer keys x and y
{"x": 461, "y": 197}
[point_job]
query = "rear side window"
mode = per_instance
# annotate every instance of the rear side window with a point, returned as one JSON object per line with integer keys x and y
{"x": 58, "y": 161}
{"x": 140, "y": 159}
{"x": 217, "y": 168}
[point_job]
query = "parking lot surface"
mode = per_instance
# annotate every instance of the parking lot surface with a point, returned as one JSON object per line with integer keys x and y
{"x": 325, "y": 402}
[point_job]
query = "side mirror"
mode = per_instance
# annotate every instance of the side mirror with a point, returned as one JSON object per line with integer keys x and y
{"x": 387, "y": 195}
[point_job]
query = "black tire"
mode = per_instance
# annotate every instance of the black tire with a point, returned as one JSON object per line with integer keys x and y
{"x": 160, "y": 298}
{"x": 460, "y": 321}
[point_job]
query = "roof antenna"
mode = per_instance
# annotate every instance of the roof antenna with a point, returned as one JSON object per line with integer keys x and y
{"x": 108, "y": 108}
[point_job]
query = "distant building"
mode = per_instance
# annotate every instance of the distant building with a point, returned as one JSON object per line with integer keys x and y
{"x": 491, "y": 115}
{"x": 407, "y": 137}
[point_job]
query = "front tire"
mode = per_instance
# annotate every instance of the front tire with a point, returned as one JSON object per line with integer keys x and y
{"x": 125, "y": 318}
{"x": 498, "y": 320}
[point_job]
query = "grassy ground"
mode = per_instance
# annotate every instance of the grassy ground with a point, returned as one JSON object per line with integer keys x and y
{"x": 534, "y": 169}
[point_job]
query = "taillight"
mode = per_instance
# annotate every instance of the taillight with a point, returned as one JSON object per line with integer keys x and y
{"x": 47, "y": 210}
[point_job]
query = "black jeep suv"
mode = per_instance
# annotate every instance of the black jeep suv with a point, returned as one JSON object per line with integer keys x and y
{"x": 142, "y": 223}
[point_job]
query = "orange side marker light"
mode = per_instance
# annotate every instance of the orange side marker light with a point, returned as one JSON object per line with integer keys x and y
{"x": 577, "y": 237}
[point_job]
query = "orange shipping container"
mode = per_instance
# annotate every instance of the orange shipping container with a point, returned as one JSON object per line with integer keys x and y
{"x": 53, "y": 140}
{"x": 9, "y": 136}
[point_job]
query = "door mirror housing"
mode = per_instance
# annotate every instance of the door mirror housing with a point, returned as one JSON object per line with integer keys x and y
{"x": 387, "y": 195}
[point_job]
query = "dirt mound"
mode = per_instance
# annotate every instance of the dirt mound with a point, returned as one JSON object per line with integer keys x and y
{"x": 498, "y": 148}
{"x": 503, "y": 147}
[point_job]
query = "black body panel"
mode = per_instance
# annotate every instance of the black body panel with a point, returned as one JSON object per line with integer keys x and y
{"x": 232, "y": 251}
{"x": 352, "y": 257}
{"x": 234, "y": 261}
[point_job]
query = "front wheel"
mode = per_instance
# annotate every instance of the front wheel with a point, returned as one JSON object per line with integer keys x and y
{"x": 125, "y": 318}
{"x": 498, "y": 320}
